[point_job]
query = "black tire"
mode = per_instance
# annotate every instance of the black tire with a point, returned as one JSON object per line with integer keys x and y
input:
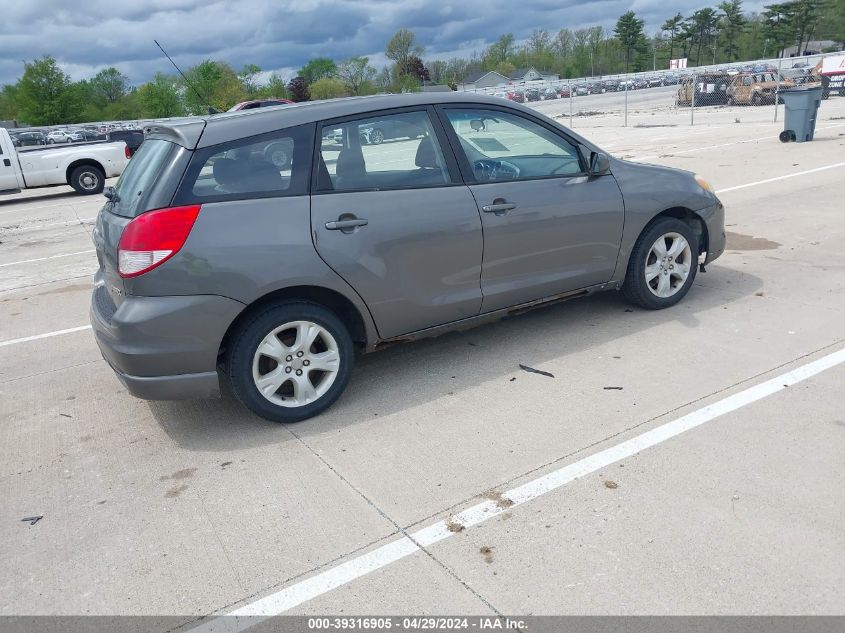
{"x": 376, "y": 136}
{"x": 786, "y": 136}
{"x": 245, "y": 342}
{"x": 87, "y": 180}
{"x": 636, "y": 289}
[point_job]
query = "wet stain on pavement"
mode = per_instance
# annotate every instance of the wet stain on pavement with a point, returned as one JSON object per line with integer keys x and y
{"x": 740, "y": 242}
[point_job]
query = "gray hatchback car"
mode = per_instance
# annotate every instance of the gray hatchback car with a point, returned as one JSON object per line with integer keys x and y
{"x": 218, "y": 261}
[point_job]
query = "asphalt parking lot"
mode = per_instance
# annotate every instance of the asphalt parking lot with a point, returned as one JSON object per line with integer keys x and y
{"x": 686, "y": 461}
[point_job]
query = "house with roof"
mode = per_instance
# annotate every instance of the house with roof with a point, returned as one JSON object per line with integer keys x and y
{"x": 530, "y": 74}
{"x": 482, "y": 79}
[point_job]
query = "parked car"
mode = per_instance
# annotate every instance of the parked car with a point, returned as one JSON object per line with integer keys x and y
{"x": 92, "y": 135}
{"x": 132, "y": 138}
{"x": 565, "y": 91}
{"x": 549, "y": 93}
{"x": 59, "y": 136}
{"x": 627, "y": 84}
{"x": 640, "y": 83}
{"x": 706, "y": 89}
{"x": 516, "y": 95}
{"x": 581, "y": 89}
{"x": 84, "y": 167}
{"x": 28, "y": 139}
{"x": 197, "y": 275}
{"x": 259, "y": 103}
{"x": 390, "y": 129}
{"x": 755, "y": 88}
{"x": 611, "y": 85}
{"x": 532, "y": 94}
{"x": 653, "y": 81}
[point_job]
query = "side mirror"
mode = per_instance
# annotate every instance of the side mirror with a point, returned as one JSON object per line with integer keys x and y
{"x": 477, "y": 125}
{"x": 599, "y": 164}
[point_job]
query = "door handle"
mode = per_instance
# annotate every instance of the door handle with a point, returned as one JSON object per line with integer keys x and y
{"x": 500, "y": 206}
{"x": 7, "y": 162}
{"x": 346, "y": 225}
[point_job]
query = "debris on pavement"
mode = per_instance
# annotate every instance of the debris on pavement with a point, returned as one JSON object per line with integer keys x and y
{"x": 609, "y": 483}
{"x": 531, "y": 370}
{"x": 32, "y": 520}
{"x": 501, "y": 501}
{"x": 453, "y": 525}
{"x": 612, "y": 388}
{"x": 487, "y": 552}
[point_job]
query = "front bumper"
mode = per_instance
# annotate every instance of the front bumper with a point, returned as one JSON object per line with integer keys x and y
{"x": 714, "y": 221}
{"x": 164, "y": 348}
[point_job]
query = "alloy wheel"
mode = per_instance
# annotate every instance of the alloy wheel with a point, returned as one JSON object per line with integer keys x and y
{"x": 296, "y": 364}
{"x": 667, "y": 265}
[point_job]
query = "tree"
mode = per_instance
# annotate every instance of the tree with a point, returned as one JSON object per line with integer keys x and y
{"x": 275, "y": 87}
{"x": 777, "y": 25}
{"x": 327, "y": 88}
{"x": 704, "y": 27}
{"x": 9, "y": 102}
{"x": 805, "y": 16}
{"x": 629, "y": 30}
{"x": 44, "y": 94}
{"x": 161, "y": 98}
{"x": 318, "y": 68}
{"x": 109, "y": 85}
{"x": 212, "y": 84}
{"x": 400, "y": 48}
{"x": 298, "y": 89}
{"x": 416, "y": 68}
{"x": 672, "y": 26}
{"x": 732, "y": 24}
{"x": 500, "y": 50}
{"x": 356, "y": 74}
{"x": 249, "y": 79}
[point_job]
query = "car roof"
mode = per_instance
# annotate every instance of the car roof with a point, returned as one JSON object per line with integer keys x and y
{"x": 228, "y": 126}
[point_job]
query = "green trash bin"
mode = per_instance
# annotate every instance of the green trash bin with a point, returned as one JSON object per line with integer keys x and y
{"x": 801, "y": 105}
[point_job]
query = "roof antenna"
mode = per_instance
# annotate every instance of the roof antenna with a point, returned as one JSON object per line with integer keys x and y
{"x": 211, "y": 110}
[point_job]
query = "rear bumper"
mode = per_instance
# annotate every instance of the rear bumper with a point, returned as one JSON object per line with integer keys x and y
{"x": 164, "y": 348}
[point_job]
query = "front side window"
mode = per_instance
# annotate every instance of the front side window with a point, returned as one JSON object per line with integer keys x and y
{"x": 381, "y": 152}
{"x": 268, "y": 165}
{"x": 504, "y": 146}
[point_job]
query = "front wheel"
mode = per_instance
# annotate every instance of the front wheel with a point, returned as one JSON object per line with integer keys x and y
{"x": 376, "y": 137}
{"x": 87, "y": 179}
{"x": 662, "y": 266}
{"x": 291, "y": 361}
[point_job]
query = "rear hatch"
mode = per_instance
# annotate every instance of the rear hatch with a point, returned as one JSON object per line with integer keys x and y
{"x": 149, "y": 182}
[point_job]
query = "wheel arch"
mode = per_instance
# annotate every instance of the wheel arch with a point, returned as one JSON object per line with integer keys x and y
{"x": 689, "y": 216}
{"x": 345, "y": 309}
{"x": 81, "y": 162}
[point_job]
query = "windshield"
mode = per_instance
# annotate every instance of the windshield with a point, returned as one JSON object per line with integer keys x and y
{"x": 141, "y": 173}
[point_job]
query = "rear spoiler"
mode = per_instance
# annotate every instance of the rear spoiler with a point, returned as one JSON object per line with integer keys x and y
{"x": 186, "y": 133}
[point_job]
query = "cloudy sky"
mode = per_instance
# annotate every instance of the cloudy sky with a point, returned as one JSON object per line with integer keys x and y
{"x": 281, "y": 35}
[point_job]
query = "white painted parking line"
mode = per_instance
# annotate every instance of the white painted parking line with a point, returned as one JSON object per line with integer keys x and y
{"x": 670, "y": 153}
{"x": 339, "y": 575}
{"x": 41, "y": 259}
{"x": 784, "y": 177}
{"x": 81, "y": 222}
{"x": 37, "y": 337}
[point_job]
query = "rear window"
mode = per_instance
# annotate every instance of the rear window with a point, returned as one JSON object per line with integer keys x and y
{"x": 265, "y": 166}
{"x": 135, "y": 185}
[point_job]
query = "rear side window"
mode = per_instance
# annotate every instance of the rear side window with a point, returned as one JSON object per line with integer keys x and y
{"x": 264, "y": 166}
{"x": 383, "y": 152}
{"x": 143, "y": 171}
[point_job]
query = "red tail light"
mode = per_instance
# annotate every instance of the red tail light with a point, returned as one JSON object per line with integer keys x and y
{"x": 127, "y": 151}
{"x": 154, "y": 237}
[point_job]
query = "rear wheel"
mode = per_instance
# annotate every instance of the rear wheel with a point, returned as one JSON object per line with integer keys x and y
{"x": 662, "y": 266}
{"x": 87, "y": 179}
{"x": 376, "y": 137}
{"x": 291, "y": 361}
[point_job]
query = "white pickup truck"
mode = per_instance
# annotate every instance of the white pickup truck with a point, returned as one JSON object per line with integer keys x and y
{"x": 83, "y": 167}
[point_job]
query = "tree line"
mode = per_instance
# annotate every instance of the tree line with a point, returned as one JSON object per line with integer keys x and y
{"x": 45, "y": 95}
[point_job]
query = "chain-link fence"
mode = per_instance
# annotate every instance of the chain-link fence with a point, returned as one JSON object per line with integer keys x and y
{"x": 729, "y": 92}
